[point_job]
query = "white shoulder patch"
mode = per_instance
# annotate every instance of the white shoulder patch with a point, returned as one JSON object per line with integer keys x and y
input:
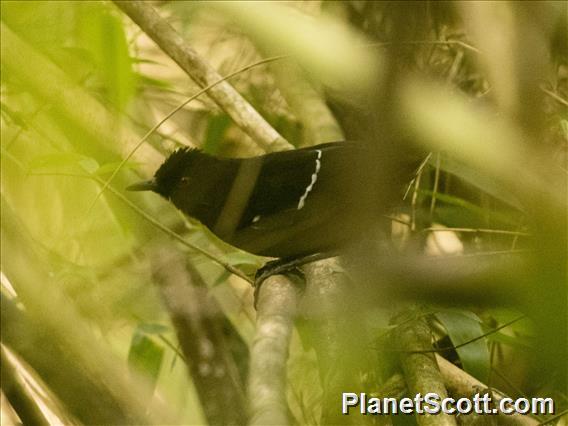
{"x": 312, "y": 182}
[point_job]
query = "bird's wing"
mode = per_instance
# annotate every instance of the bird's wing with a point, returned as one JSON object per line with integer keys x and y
{"x": 290, "y": 181}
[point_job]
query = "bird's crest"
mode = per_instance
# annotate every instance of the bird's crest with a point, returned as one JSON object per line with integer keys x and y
{"x": 174, "y": 167}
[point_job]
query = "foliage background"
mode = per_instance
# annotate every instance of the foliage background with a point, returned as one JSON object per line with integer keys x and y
{"x": 483, "y": 89}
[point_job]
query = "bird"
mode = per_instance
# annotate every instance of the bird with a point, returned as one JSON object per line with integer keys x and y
{"x": 290, "y": 205}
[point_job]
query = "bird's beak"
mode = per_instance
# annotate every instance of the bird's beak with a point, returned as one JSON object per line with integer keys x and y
{"x": 147, "y": 185}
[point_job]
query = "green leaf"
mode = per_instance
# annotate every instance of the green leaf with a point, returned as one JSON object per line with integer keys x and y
{"x": 246, "y": 262}
{"x": 145, "y": 355}
{"x": 60, "y": 160}
{"x": 145, "y": 80}
{"x": 216, "y": 128}
{"x": 153, "y": 328}
{"x": 478, "y": 179}
{"x": 241, "y": 258}
{"x": 513, "y": 341}
{"x": 463, "y": 327}
{"x": 101, "y": 31}
{"x": 108, "y": 168}
{"x": 464, "y": 205}
{"x": 223, "y": 276}
{"x": 89, "y": 165}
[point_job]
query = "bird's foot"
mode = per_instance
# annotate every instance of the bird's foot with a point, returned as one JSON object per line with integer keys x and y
{"x": 286, "y": 266}
{"x": 276, "y": 267}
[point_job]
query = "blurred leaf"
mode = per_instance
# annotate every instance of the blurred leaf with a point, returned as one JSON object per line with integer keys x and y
{"x": 216, "y": 128}
{"x": 462, "y": 327}
{"x": 77, "y": 114}
{"x": 480, "y": 212}
{"x": 45, "y": 24}
{"x": 457, "y": 217}
{"x": 478, "y": 179}
{"x": 224, "y": 276}
{"x": 513, "y": 341}
{"x": 145, "y": 354}
{"x": 136, "y": 60}
{"x": 16, "y": 117}
{"x": 246, "y": 262}
{"x": 243, "y": 260}
{"x": 154, "y": 328}
{"x": 101, "y": 30}
{"x": 144, "y": 81}
{"x": 90, "y": 165}
{"x": 564, "y": 127}
{"x": 63, "y": 159}
{"x": 331, "y": 50}
{"x": 520, "y": 327}
{"x": 471, "y": 132}
{"x": 111, "y": 167}
{"x": 518, "y": 334}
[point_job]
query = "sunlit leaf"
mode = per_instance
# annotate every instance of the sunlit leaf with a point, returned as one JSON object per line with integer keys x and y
{"x": 145, "y": 354}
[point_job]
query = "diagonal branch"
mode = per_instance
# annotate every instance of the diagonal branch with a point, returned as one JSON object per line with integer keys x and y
{"x": 205, "y": 345}
{"x": 228, "y": 99}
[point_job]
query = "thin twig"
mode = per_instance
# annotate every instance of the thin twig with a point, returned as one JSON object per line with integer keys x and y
{"x": 416, "y": 182}
{"x": 420, "y": 168}
{"x": 479, "y": 230}
{"x": 475, "y": 339}
{"x": 415, "y": 201}
{"x": 554, "y": 418}
{"x": 396, "y": 219}
{"x": 174, "y": 348}
{"x": 493, "y": 253}
{"x": 436, "y": 183}
{"x": 429, "y": 42}
{"x": 555, "y": 96}
{"x": 461, "y": 383}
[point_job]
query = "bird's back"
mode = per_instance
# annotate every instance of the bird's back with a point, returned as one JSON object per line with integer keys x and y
{"x": 285, "y": 204}
{"x": 300, "y": 201}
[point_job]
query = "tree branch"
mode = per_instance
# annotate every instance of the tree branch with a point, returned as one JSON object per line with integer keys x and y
{"x": 195, "y": 316}
{"x": 277, "y": 303}
{"x": 420, "y": 369}
{"x": 460, "y": 383}
{"x": 228, "y": 99}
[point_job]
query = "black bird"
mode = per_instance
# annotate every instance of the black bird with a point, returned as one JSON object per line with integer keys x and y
{"x": 276, "y": 205}
{"x": 290, "y": 204}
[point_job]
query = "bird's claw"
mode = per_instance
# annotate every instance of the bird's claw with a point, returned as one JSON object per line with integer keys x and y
{"x": 274, "y": 267}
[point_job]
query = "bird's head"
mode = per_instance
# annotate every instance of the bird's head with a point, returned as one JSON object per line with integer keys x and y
{"x": 194, "y": 181}
{"x": 173, "y": 174}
